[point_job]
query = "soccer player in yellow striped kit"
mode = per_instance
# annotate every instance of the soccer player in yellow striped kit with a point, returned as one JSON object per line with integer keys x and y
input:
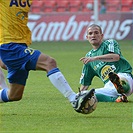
{"x": 19, "y": 58}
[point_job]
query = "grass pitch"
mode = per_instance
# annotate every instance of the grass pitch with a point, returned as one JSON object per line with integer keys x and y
{"x": 44, "y": 110}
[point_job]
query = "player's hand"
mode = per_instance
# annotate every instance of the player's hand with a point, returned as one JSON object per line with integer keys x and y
{"x": 85, "y": 60}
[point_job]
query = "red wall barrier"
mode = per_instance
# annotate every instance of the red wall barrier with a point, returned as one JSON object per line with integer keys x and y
{"x": 72, "y": 26}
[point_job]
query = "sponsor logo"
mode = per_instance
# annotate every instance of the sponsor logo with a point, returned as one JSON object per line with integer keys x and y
{"x": 21, "y": 3}
{"x": 73, "y": 27}
{"x": 106, "y": 70}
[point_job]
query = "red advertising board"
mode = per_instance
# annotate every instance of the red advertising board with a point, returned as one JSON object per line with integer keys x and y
{"x": 72, "y": 26}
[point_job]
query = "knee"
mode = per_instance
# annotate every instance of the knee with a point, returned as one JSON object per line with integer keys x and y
{"x": 15, "y": 98}
{"x": 46, "y": 63}
{"x": 51, "y": 63}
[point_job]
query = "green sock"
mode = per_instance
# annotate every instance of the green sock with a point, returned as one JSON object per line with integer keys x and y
{"x": 125, "y": 86}
{"x": 105, "y": 98}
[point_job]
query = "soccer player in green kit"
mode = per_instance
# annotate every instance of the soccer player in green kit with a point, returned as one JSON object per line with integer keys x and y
{"x": 106, "y": 62}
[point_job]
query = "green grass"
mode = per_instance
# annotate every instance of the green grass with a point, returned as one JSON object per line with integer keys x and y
{"x": 44, "y": 110}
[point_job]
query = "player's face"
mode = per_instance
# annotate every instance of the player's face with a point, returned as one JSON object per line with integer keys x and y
{"x": 94, "y": 36}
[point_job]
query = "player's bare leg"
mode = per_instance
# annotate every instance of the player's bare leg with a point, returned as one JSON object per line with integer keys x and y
{"x": 3, "y": 84}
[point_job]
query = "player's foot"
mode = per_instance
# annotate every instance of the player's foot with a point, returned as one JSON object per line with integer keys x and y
{"x": 121, "y": 98}
{"x": 81, "y": 98}
{"x": 114, "y": 78}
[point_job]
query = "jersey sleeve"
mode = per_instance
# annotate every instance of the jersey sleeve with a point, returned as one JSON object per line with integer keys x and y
{"x": 113, "y": 46}
{"x": 87, "y": 75}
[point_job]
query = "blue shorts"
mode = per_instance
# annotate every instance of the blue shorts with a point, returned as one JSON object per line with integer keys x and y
{"x": 19, "y": 59}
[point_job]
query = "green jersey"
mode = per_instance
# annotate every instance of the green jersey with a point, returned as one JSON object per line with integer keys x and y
{"x": 102, "y": 69}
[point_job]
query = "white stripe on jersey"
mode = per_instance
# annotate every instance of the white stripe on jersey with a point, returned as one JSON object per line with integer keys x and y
{"x": 111, "y": 45}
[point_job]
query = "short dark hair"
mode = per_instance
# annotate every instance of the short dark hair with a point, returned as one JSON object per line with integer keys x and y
{"x": 95, "y": 25}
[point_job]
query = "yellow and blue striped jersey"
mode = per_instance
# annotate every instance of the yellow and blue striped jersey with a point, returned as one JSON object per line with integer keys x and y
{"x": 13, "y": 21}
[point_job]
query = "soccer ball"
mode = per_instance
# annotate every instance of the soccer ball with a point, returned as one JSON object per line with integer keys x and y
{"x": 90, "y": 105}
{"x": 89, "y": 6}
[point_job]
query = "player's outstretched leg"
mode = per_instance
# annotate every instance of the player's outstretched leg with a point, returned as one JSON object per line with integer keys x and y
{"x": 77, "y": 100}
{"x": 81, "y": 98}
